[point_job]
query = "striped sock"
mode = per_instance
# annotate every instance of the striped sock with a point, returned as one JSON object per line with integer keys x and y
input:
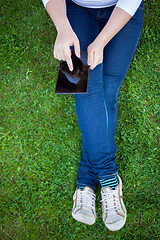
{"x": 110, "y": 182}
{"x": 81, "y": 187}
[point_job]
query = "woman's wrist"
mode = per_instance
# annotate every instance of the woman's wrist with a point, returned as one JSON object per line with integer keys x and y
{"x": 102, "y": 39}
{"x": 63, "y": 25}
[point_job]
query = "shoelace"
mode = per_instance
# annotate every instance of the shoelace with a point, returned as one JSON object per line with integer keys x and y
{"x": 90, "y": 198}
{"x": 111, "y": 197}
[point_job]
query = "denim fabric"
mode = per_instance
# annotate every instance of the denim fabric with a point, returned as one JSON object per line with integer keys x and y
{"x": 97, "y": 110}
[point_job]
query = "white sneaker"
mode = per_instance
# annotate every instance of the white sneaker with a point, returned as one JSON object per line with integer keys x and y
{"x": 84, "y": 206}
{"x": 113, "y": 209}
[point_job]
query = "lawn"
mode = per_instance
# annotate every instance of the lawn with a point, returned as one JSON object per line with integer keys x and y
{"x": 41, "y": 140}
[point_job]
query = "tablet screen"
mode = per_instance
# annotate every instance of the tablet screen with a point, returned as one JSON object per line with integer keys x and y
{"x": 76, "y": 81}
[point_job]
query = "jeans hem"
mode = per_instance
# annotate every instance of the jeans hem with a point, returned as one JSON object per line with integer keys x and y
{"x": 107, "y": 176}
{"x": 88, "y": 185}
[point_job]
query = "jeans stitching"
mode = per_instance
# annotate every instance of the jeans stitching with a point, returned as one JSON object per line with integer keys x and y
{"x": 98, "y": 17}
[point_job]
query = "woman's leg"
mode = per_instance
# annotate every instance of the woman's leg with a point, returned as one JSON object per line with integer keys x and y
{"x": 118, "y": 54}
{"x": 90, "y": 104}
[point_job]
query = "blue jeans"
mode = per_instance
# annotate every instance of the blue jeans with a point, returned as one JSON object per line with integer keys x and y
{"x": 97, "y": 110}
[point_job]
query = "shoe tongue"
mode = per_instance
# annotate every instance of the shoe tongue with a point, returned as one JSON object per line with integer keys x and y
{"x": 88, "y": 189}
{"x": 106, "y": 189}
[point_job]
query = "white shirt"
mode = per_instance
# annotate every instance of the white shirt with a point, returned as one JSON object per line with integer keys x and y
{"x": 130, "y": 6}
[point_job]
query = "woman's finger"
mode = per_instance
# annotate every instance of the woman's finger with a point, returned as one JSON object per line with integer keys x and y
{"x": 96, "y": 60}
{"x": 90, "y": 57}
{"x": 68, "y": 59}
{"x": 77, "y": 48}
{"x": 62, "y": 53}
{"x": 56, "y": 55}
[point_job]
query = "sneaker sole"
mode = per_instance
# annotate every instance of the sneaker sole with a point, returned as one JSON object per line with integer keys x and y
{"x": 84, "y": 218}
{"x": 119, "y": 224}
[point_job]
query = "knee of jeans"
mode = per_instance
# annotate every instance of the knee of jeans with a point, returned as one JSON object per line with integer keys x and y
{"x": 111, "y": 99}
{"x": 111, "y": 91}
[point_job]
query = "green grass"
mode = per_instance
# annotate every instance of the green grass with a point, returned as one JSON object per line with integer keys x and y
{"x": 41, "y": 140}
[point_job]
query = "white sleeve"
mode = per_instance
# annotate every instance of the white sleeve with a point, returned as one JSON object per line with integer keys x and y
{"x": 45, "y": 2}
{"x": 130, "y": 6}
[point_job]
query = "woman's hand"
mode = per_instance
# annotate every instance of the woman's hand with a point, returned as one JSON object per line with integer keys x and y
{"x": 95, "y": 53}
{"x": 66, "y": 38}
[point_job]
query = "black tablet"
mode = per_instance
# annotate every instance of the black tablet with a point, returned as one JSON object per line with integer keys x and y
{"x": 76, "y": 81}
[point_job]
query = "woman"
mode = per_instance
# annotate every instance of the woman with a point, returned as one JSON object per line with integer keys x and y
{"x": 109, "y": 30}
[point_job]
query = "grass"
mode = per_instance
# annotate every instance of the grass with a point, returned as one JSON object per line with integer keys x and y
{"x": 41, "y": 141}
